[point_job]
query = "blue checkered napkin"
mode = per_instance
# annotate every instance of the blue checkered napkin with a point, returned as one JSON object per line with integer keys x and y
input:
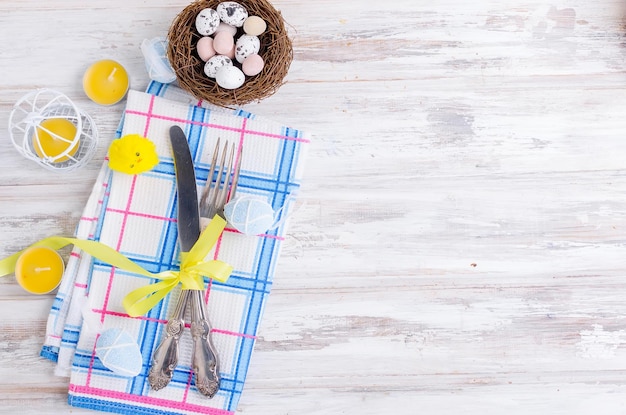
{"x": 137, "y": 216}
{"x": 65, "y": 319}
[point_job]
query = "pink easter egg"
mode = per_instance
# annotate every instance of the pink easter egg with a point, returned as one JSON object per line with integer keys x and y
{"x": 226, "y": 27}
{"x": 205, "y": 48}
{"x": 231, "y": 52}
{"x": 223, "y": 42}
{"x": 252, "y": 65}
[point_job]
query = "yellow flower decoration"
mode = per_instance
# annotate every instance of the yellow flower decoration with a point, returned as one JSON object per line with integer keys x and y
{"x": 132, "y": 154}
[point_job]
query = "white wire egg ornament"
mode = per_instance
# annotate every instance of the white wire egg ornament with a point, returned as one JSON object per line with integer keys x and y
{"x": 46, "y": 127}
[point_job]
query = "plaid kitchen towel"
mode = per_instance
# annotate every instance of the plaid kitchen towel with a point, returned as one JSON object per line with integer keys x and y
{"x": 65, "y": 318}
{"x": 136, "y": 215}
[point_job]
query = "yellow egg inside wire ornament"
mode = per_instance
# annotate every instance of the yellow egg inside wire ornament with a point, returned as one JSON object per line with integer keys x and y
{"x": 46, "y": 127}
{"x": 54, "y": 138}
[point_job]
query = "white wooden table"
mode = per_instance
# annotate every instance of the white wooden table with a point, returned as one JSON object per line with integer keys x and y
{"x": 460, "y": 245}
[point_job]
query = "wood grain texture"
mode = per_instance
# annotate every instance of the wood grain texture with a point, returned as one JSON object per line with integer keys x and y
{"x": 460, "y": 240}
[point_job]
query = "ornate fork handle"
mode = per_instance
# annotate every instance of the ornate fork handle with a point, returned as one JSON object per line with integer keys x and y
{"x": 165, "y": 357}
{"x": 204, "y": 356}
{"x": 205, "y": 360}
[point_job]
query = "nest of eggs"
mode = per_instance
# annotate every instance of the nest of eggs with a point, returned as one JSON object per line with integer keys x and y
{"x": 276, "y": 50}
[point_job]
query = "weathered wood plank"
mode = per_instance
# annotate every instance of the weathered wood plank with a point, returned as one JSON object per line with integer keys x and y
{"x": 459, "y": 239}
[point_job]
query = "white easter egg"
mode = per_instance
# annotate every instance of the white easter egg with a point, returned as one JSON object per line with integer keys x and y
{"x": 119, "y": 352}
{"x": 207, "y": 21}
{"x": 245, "y": 46}
{"x": 232, "y": 13}
{"x": 229, "y": 77}
{"x": 249, "y": 215}
{"x": 216, "y": 62}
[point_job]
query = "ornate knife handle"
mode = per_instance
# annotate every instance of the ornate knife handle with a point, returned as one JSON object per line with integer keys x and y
{"x": 165, "y": 357}
{"x": 205, "y": 361}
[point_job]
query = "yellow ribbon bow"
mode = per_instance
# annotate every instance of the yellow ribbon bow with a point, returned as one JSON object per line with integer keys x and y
{"x": 193, "y": 267}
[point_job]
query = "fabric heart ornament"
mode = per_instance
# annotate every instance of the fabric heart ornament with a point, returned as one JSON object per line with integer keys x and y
{"x": 119, "y": 352}
{"x": 249, "y": 215}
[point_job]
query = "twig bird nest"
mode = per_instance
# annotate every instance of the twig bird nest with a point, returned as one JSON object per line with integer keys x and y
{"x": 275, "y": 49}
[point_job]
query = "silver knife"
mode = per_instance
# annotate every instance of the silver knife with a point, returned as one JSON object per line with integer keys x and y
{"x": 165, "y": 357}
{"x": 188, "y": 215}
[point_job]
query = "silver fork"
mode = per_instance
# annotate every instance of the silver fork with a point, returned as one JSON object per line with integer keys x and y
{"x": 205, "y": 361}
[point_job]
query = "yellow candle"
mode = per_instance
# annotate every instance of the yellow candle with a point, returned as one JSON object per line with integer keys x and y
{"x": 39, "y": 270}
{"x": 106, "y": 82}
{"x": 54, "y": 137}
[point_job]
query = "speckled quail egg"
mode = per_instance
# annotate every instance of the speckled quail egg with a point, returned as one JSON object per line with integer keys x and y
{"x": 232, "y": 13}
{"x": 245, "y": 46}
{"x": 207, "y": 21}
{"x": 216, "y": 62}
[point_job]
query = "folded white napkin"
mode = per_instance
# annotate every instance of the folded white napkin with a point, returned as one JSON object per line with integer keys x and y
{"x": 136, "y": 215}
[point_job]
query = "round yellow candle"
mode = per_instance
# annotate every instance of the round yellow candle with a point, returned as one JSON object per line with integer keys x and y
{"x": 106, "y": 82}
{"x": 39, "y": 270}
{"x": 55, "y": 136}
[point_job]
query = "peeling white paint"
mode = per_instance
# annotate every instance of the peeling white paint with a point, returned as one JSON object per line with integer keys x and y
{"x": 600, "y": 344}
{"x": 463, "y": 243}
